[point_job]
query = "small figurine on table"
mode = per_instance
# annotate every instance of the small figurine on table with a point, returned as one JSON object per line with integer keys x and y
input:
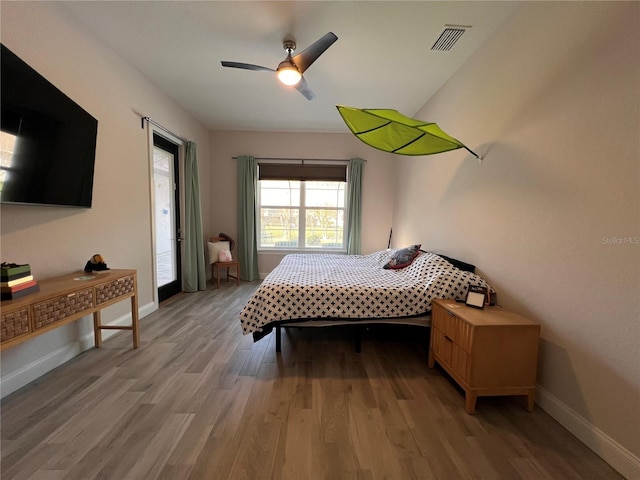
{"x": 96, "y": 264}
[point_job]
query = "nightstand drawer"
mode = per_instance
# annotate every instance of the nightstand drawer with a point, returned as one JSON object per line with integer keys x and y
{"x": 449, "y": 352}
{"x": 453, "y": 327}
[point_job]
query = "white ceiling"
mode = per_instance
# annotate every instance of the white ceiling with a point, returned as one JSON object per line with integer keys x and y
{"x": 382, "y": 58}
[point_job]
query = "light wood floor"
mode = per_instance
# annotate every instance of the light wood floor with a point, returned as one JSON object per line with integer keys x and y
{"x": 200, "y": 401}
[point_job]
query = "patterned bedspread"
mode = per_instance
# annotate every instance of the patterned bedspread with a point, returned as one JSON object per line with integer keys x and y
{"x": 323, "y": 286}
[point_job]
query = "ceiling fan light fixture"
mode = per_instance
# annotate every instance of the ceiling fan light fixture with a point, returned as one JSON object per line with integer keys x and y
{"x": 288, "y": 73}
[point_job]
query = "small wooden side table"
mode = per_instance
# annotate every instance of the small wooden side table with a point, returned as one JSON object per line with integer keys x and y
{"x": 487, "y": 352}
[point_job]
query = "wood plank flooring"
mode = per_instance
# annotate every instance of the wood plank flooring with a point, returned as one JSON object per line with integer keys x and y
{"x": 200, "y": 401}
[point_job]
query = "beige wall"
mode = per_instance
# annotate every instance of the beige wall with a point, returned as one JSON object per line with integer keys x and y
{"x": 60, "y": 240}
{"x": 552, "y": 215}
{"x": 377, "y": 178}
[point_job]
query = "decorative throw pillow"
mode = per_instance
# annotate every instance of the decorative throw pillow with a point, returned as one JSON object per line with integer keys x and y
{"x": 402, "y": 258}
{"x": 214, "y": 250}
{"x": 225, "y": 256}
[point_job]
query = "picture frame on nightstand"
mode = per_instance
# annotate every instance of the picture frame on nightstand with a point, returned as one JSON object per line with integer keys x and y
{"x": 476, "y": 296}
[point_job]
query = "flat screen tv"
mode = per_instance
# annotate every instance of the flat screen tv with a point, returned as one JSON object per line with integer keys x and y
{"x": 47, "y": 141}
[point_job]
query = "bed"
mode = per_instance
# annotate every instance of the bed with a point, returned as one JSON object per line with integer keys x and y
{"x": 332, "y": 289}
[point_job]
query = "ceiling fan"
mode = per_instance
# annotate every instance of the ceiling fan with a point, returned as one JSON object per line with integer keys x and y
{"x": 290, "y": 70}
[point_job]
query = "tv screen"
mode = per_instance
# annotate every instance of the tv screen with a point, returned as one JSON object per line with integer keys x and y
{"x": 47, "y": 141}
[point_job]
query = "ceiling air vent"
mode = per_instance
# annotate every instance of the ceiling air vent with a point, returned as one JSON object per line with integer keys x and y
{"x": 449, "y": 36}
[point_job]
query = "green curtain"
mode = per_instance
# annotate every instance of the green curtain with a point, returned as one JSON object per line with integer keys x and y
{"x": 195, "y": 277}
{"x": 247, "y": 226}
{"x": 354, "y": 216}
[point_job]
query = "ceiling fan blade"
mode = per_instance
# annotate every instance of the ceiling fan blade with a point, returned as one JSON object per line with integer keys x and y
{"x": 304, "y": 89}
{"x": 310, "y": 54}
{"x": 246, "y": 66}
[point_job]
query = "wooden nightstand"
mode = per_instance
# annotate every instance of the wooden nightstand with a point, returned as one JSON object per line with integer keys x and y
{"x": 487, "y": 352}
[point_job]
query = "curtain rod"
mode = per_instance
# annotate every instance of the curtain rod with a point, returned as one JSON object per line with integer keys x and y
{"x": 300, "y": 159}
{"x": 143, "y": 119}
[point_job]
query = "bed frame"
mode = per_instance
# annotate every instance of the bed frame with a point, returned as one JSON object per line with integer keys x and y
{"x": 359, "y": 326}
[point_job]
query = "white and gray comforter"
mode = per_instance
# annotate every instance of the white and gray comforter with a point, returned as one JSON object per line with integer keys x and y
{"x": 326, "y": 286}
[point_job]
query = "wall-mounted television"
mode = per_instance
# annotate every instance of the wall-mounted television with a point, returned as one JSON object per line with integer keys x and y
{"x": 47, "y": 141}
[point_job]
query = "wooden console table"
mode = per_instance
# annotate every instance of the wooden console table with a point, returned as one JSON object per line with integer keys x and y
{"x": 64, "y": 299}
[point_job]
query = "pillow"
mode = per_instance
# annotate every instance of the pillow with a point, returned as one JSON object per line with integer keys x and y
{"x": 225, "y": 256}
{"x": 214, "y": 250}
{"x": 402, "y": 258}
{"x": 464, "y": 266}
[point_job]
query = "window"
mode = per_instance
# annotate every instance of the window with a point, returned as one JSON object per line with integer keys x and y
{"x": 7, "y": 147}
{"x": 301, "y": 214}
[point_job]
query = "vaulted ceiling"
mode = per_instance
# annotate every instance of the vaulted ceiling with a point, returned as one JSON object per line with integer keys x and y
{"x": 383, "y": 57}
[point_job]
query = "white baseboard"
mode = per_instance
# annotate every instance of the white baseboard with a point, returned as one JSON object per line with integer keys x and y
{"x": 621, "y": 459}
{"x": 27, "y": 374}
{"x": 30, "y": 372}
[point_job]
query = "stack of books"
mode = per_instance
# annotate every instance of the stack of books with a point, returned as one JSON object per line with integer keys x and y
{"x": 16, "y": 281}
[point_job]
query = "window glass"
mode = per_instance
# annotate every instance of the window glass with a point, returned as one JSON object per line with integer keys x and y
{"x": 280, "y": 193}
{"x": 279, "y": 227}
{"x": 301, "y": 215}
{"x": 324, "y": 228}
{"x": 324, "y": 194}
